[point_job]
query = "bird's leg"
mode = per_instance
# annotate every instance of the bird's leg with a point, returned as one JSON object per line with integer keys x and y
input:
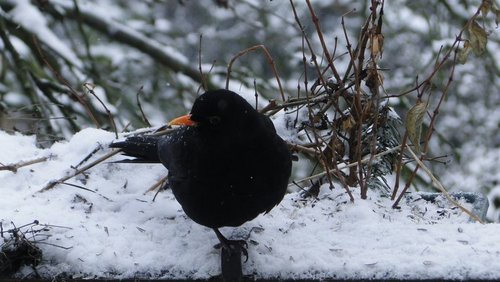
{"x": 231, "y": 251}
{"x": 234, "y": 245}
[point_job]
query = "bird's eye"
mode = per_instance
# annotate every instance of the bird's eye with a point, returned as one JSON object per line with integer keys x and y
{"x": 214, "y": 120}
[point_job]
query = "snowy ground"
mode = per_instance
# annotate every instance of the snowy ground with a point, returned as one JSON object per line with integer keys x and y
{"x": 117, "y": 230}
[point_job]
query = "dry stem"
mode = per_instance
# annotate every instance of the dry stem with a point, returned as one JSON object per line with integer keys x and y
{"x": 269, "y": 59}
{"x": 440, "y": 186}
{"x": 53, "y": 183}
{"x": 16, "y": 166}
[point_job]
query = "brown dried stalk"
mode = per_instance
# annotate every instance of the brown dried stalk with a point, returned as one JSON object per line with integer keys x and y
{"x": 53, "y": 183}
{"x": 422, "y": 88}
{"x": 270, "y": 60}
{"x": 143, "y": 115}
{"x": 343, "y": 166}
{"x": 90, "y": 88}
{"x": 16, "y": 166}
{"x": 440, "y": 186}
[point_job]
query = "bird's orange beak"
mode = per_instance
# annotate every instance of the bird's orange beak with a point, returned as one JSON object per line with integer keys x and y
{"x": 182, "y": 120}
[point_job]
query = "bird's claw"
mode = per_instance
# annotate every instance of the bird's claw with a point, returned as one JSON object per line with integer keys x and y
{"x": 235, "y": 246}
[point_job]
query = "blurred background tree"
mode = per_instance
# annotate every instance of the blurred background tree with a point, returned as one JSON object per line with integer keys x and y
{"x": 66, "y": 65}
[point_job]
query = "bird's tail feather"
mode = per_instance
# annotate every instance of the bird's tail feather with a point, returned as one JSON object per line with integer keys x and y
{"x": 143, "y": 148}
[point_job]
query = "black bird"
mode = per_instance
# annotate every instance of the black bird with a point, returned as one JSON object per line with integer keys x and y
{"x": 226, "y": 165}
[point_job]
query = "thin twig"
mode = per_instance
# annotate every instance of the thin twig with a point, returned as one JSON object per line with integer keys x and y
{"x": 428, "y": 81}
{"x": 16, "y": 166}
{"x": 270, "y": 60}
{"x": 426, "y": 84}
{"x": 157, "y": 184}
{"x": 329, "y": 58}
{"x": 53, "y": 183}
{"x": 143, "y": 115}
{"x": 63, "y": 81}
{"x": 343, "y": 166}
{"x": 97, "y": 149}
{"x": 309, "y": 45}
{"x": 90, "y": 88}
{"x": 87, "y": 189}
{"x": 440, "y": 186}
{"x": 399, "y": 166}
{"x": 202, "y": 76}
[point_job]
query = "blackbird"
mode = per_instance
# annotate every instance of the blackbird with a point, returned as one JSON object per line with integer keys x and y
{"x": 226, "y": 164}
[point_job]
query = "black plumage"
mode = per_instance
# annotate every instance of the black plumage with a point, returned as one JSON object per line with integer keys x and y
{"x": 226, "y": 166}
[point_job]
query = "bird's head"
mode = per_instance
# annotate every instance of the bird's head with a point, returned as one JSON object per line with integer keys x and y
{"x": 217, "y": 109}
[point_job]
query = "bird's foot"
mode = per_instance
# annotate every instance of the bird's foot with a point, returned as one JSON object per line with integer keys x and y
{"x": 230, "y": 254}
{"x": 234, "y": 247}
{"x": 231, "y": 246}
{"x": 231, "y": 251}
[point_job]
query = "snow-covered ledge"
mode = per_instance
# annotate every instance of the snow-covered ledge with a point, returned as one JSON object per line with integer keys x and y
{"x": 117, "y": 231}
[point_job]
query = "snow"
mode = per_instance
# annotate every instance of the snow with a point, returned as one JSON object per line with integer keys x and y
{"x": 115, "y": 27}
{"x": 115, "y": 229}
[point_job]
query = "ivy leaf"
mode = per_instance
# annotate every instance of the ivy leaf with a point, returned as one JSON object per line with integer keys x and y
{"x": 414, "y": 120}
{"x": 478, "y": 38}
